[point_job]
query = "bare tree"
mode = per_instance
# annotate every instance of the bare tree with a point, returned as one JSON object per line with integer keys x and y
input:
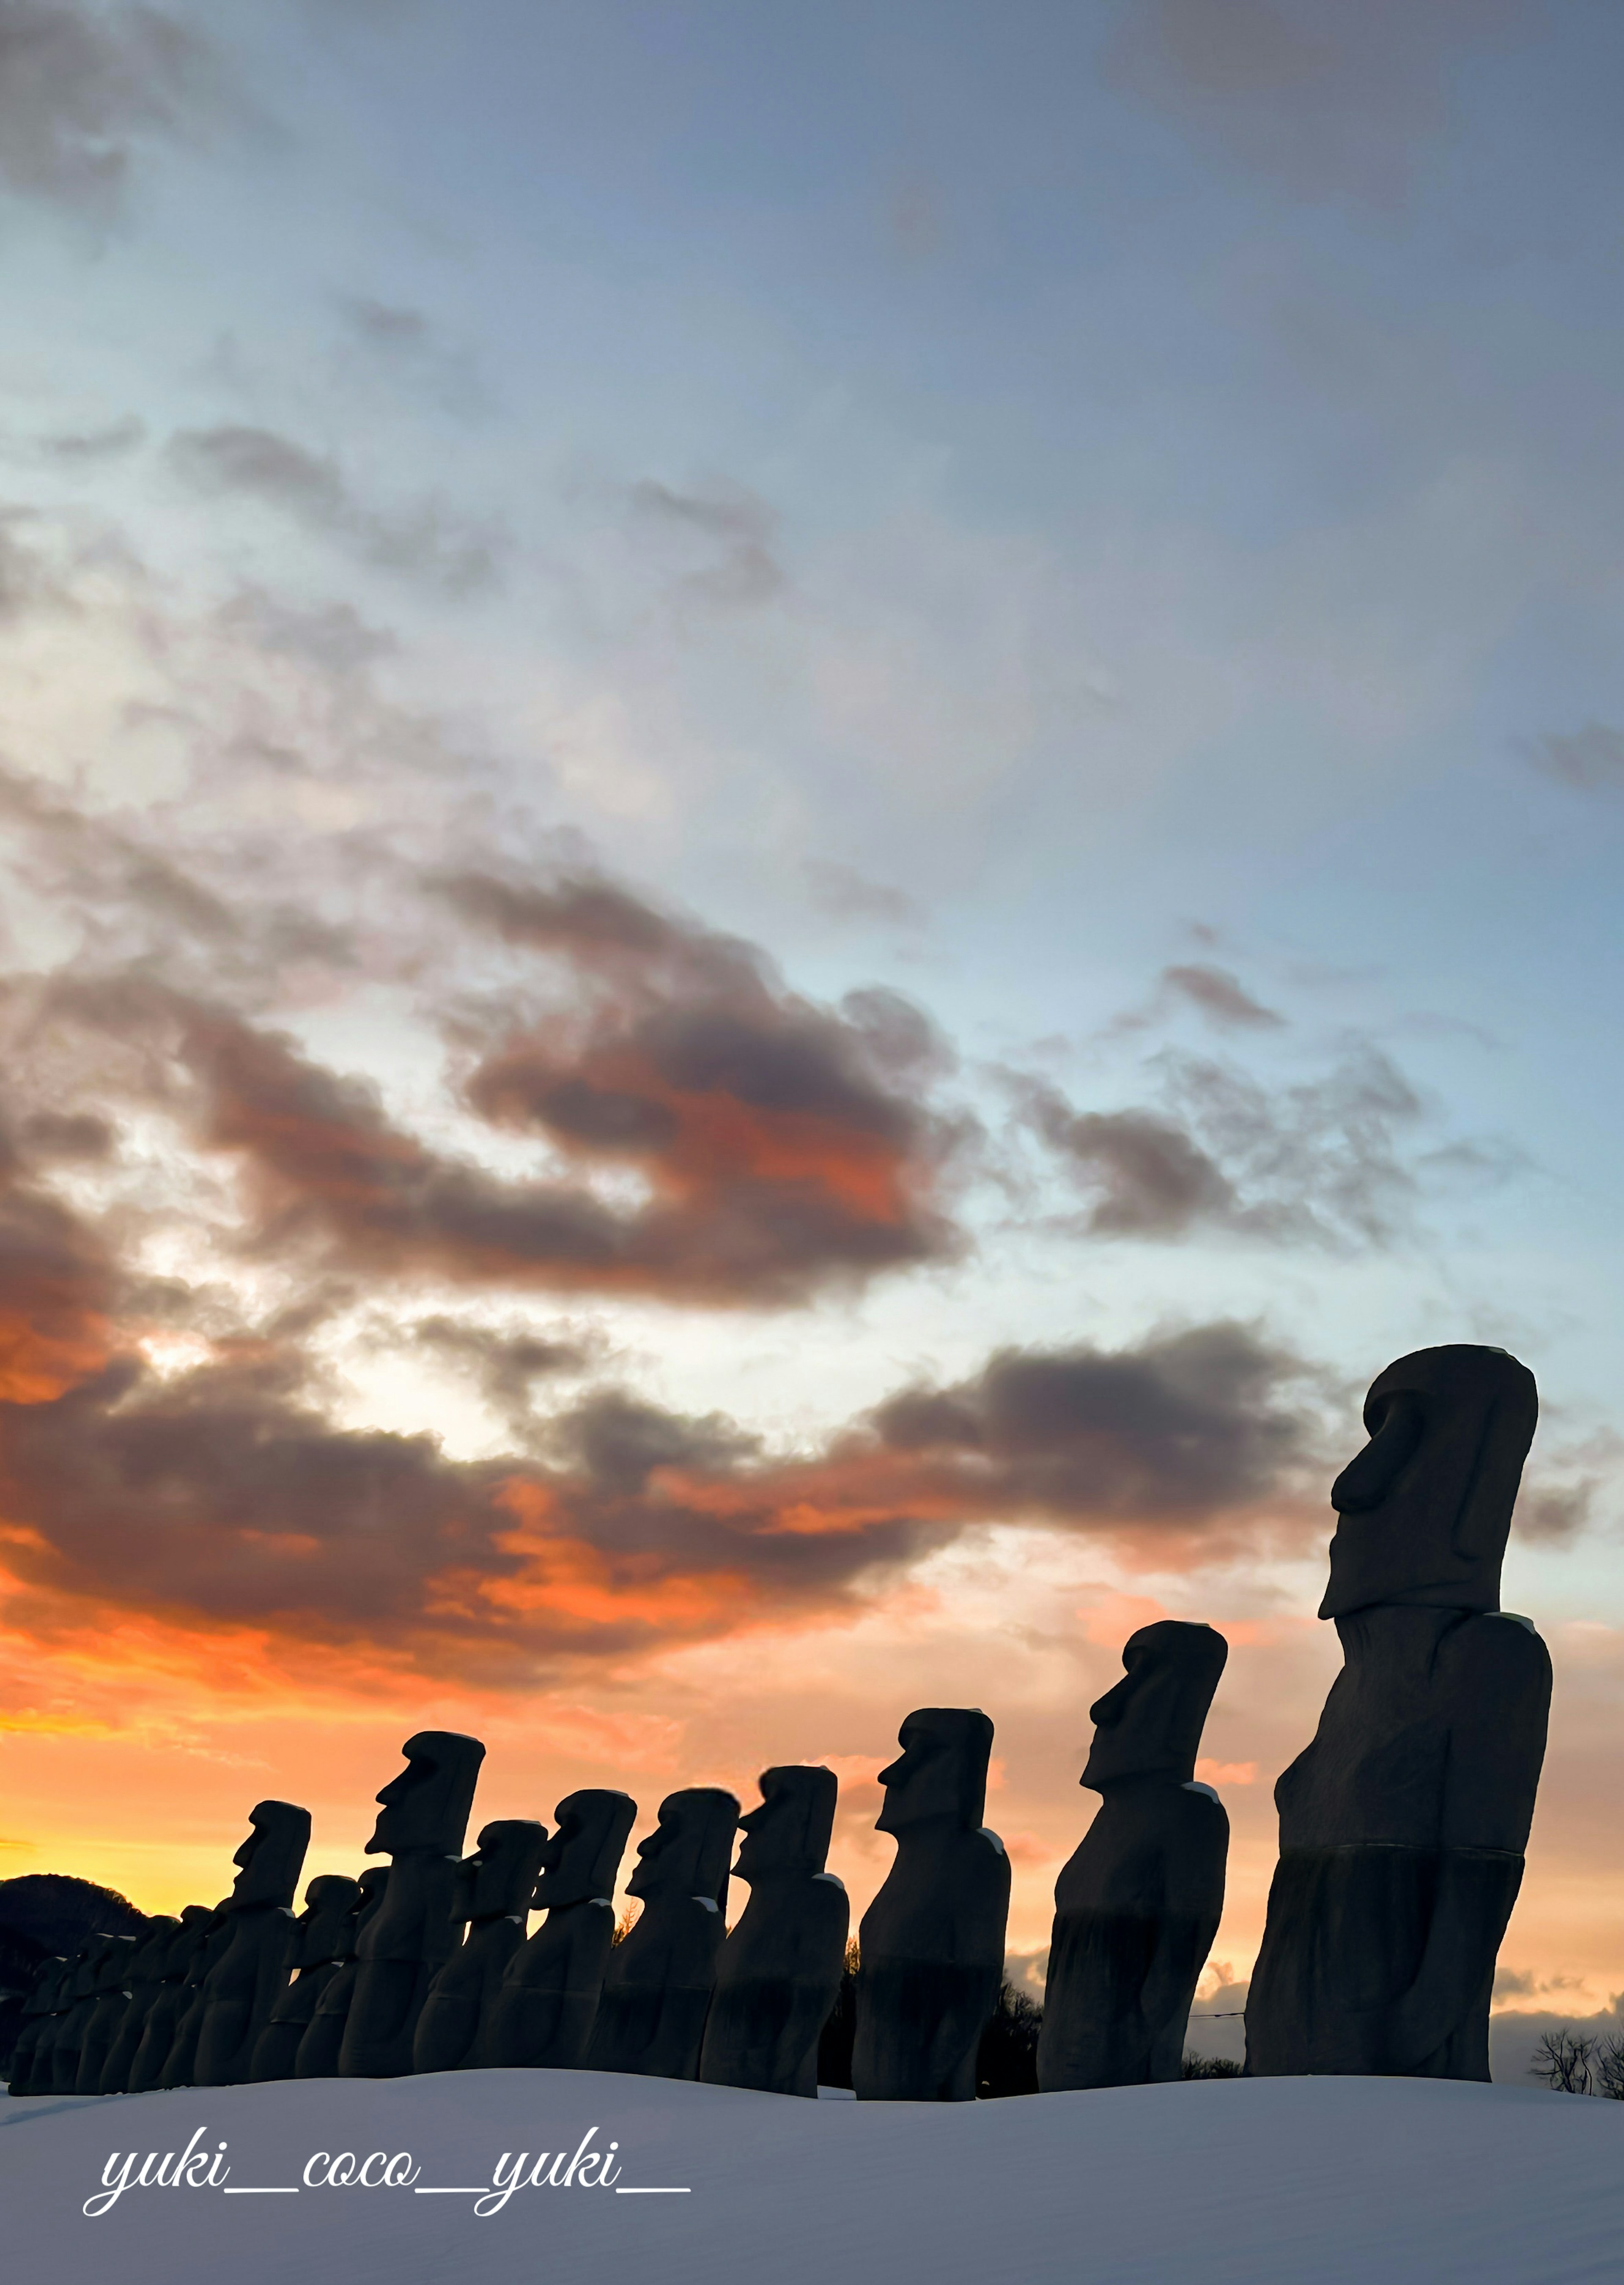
{"x": 1566, "y": 2063}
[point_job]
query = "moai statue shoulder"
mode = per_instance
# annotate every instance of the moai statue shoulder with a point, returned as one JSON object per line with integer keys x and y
{"x": 657, "y": 1990}
{"x": 108, "y": 2004}
{"x": 1138, "y": 1905}
{"x": 148, "y": 1964}
{"x": 1403, "y": 1825}
{"x": 251, "y": 1975}
{"x": 322, "y": 2041}
{"x": 422, "y": 1822}
{"x": 322, "y": 1939}
{"x": 174, "y": 1992}
{"x": 932, "y": 1944}
{"x": 494, "y": 1891}
{"x": 541, "y": 2016}
{"x": 780, "y": 1970}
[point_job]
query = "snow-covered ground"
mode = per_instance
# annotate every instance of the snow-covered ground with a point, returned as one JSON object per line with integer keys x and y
{"x": 1263, "y": 2180}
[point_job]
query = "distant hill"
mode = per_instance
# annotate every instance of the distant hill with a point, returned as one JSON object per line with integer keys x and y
{"x": 47, "y": 1912}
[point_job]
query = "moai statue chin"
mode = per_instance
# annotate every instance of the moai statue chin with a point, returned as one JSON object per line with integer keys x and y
{"x": 322, "y": 2039}
{"x": 931, "y": 1944}
{"x": 323, "y": 1939}
{"x": 494, "y": 1887}
{"x": 424, "y": 1817}
{"x": 657, "y": 1990}
{"x": 541, "y": 2017}
{"x": 1138, "y": 1905}
{"x": 107, "y": 2011}
{"x": 148, "y": 1965}
{"x": 252, "y": 1973}
{"x": 1402, "y": 1825}
{"x": 780, "y": 1970}
{"x": 175, "y": 1991}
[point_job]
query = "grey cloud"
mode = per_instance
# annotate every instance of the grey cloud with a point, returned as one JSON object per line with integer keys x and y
{"x": 87, "y": 448}
{"x": 406, "y": 345}
{"x": 1587, "y": 759}
{"x": 28, "y": 580}
{"x": 1219, "y": 997}
{"x": 847, "y": 894}
{"x": 82, "y": 88}
{"x": 507, "y": 1360}
{"x": 744, "y": 570}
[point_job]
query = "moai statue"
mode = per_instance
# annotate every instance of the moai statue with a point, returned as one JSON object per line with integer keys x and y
{"x": 181, "y": 2061}
{"x": 42, "y": 2006}
{"x": 1402, "y": 1826}
{"x": 409, "y": 1939}
{"x": 174, "y": 1994}
{"x": 147, "y": 1966}
{"x": 494, "y": 1896}
{"x": 1138, "y": 1905}
{"x": 542, "y": 2015}
{"x": 320, "y": 2049}
{"x": 323, "y": 1938}
{"x": 252, "y": 1973}
{"x": 932, "y": 1942}
{"x": 657, "y": 1990}
{"x": 780, "y": 1968}
{"x": 69, "y": 2040}
{"x": 101, "y": 2026}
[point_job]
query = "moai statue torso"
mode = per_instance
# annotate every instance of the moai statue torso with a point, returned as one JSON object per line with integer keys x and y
{"x": 657, "y": 1990}
{"x": 932, "y": 1944}
{"x": 542, "y": 2015}
{"x": 423, "y": 1822}
{"x": 494, "y": 1896}
{"x": 175, "y": 1991}
{"x": 780, "y": 1968}
{"x": 181, "y": 2061}
{"x": 322, "y": 2041}
{"x": 69, "y": 2040}
{"x": 107, "y": 2013}
{"x": 322, "y": 1939}
{"x": 1138, "y": 1905}
{"x": 248, "y": 1979}
{"x": 45, "y": 1998}
{"x": 1402, "y": 1825}
{"x": 148, "y": 1965}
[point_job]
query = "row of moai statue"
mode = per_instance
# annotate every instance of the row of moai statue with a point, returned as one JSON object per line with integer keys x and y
{"x": 1402, "y": 1828}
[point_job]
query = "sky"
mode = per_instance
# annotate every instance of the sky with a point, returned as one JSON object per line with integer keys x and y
{"x": 802, "y": 812}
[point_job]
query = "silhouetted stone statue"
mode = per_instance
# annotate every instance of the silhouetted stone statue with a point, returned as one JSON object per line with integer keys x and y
{"x": 405, "y": 1943}
{"x": 147, "y": 1967}
{"x": 111, "y": 1997}
{"x": 323, "y": 1938}
{"x": 181, "y": 2061}
{"x": 173, "y": 1995}
{"x": 323, "y": 2042}
{"x": 657, "y": 1990}
{"x": 780, "y": 1970}
{"x": 494, "y": 1896}
{"x": 69, "y": 2040}
{"x": 542, "y": 2015}
{"x": 932, "y": 1942}
{"x": 1138, "y": 1905}
{"x": 245, "y": 1982}
{"x": 1402, "y": 1826}
{"x": 43, "y": 2005}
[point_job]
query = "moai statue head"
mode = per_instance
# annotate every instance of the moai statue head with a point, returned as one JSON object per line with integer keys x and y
{"x": 497, "y": 1880}
{"x": 1150, "y": 1724}
{"x": 329, "y": 1901}
{"x": 1425, "y": 1510}
{"x": 941, "y": 1774}
{"x": 790, "y": 1832}
{"x": 686, "y": 1853}
{"x": 273, "y": 1856}
{"x": 428, "y": 1805}
{"x": 151, "y": 1955}
{"x": 582, "y": 1860}
{"x": 194, "y": 1921}
{"x": 114, "y": 1961}
{"x": 371, "y": 1889}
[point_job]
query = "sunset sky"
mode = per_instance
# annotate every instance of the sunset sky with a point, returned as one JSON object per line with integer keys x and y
{"x": 805, "y": 810}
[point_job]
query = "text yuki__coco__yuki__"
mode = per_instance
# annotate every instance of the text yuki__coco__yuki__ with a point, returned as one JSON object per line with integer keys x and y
{"x": 202, "y": 2169}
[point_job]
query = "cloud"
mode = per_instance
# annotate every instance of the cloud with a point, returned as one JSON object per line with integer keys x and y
{"x": 844, "y": 893}
{"x": 92, "y": 448}
{"x": 508, "y": 1361}
{"x": 1590, "y": 760}
{"x": 28, "y": 580}
{"x": 1219, "y": 996}
{"x": 738, "y": 529}
{"x": 429, "y": 541}
{"x": 406, "y": 345}
{"x": 82, "y": 89}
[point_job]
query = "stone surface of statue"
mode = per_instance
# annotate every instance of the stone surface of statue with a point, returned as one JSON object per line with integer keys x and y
{"x": 494, "y": 1886}
{"x": 174, "y": 1992}
{"x": 251, "y": 1974}
{"x": 779, "y": 1970}
{"x": 1402, "y": 1825}
{"x": 206, "y": 1955}
{"x": 322, "y": 2041}
{"x": 421, "y": 1826}
{"x": 657, "y": 1990}
{"x": 148, "y": 1964}
{"x": 1138, "y": 1905}
{"x": 542, "y": 2015}
{"x": 323, "y": 1938}
{"x": 45, "y": 1998}
{"x": 69, "y": 2040}
{"x": 110, "y": 1999}
{"x": 932, "y": 1942}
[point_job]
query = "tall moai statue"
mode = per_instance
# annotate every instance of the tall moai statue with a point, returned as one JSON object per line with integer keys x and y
{"x": 45, "y": 1998}
{"x": 780, "y": 1970}
{"x": 931, "y": 1944}
{"x": 148, "y": 1965}
{"x": 1402, "y": 1826}
{"x": 1138, "y": 1904}
{"x": 495, "y": 1886}
{"x": 404, "y": 1945}
{"x": 69, "y": 2045}
{"x": 180, "y": 2064}
{"x": 657, "y": 1990}
{"x": 319, "y": 2048}
{"x": 542, "y": 2015}
{"x": 322, "y": 1939}
{"x": 174, "y": 1994}
{"x": 112, "y": 1998}
{"x": 252, "y": 1972}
